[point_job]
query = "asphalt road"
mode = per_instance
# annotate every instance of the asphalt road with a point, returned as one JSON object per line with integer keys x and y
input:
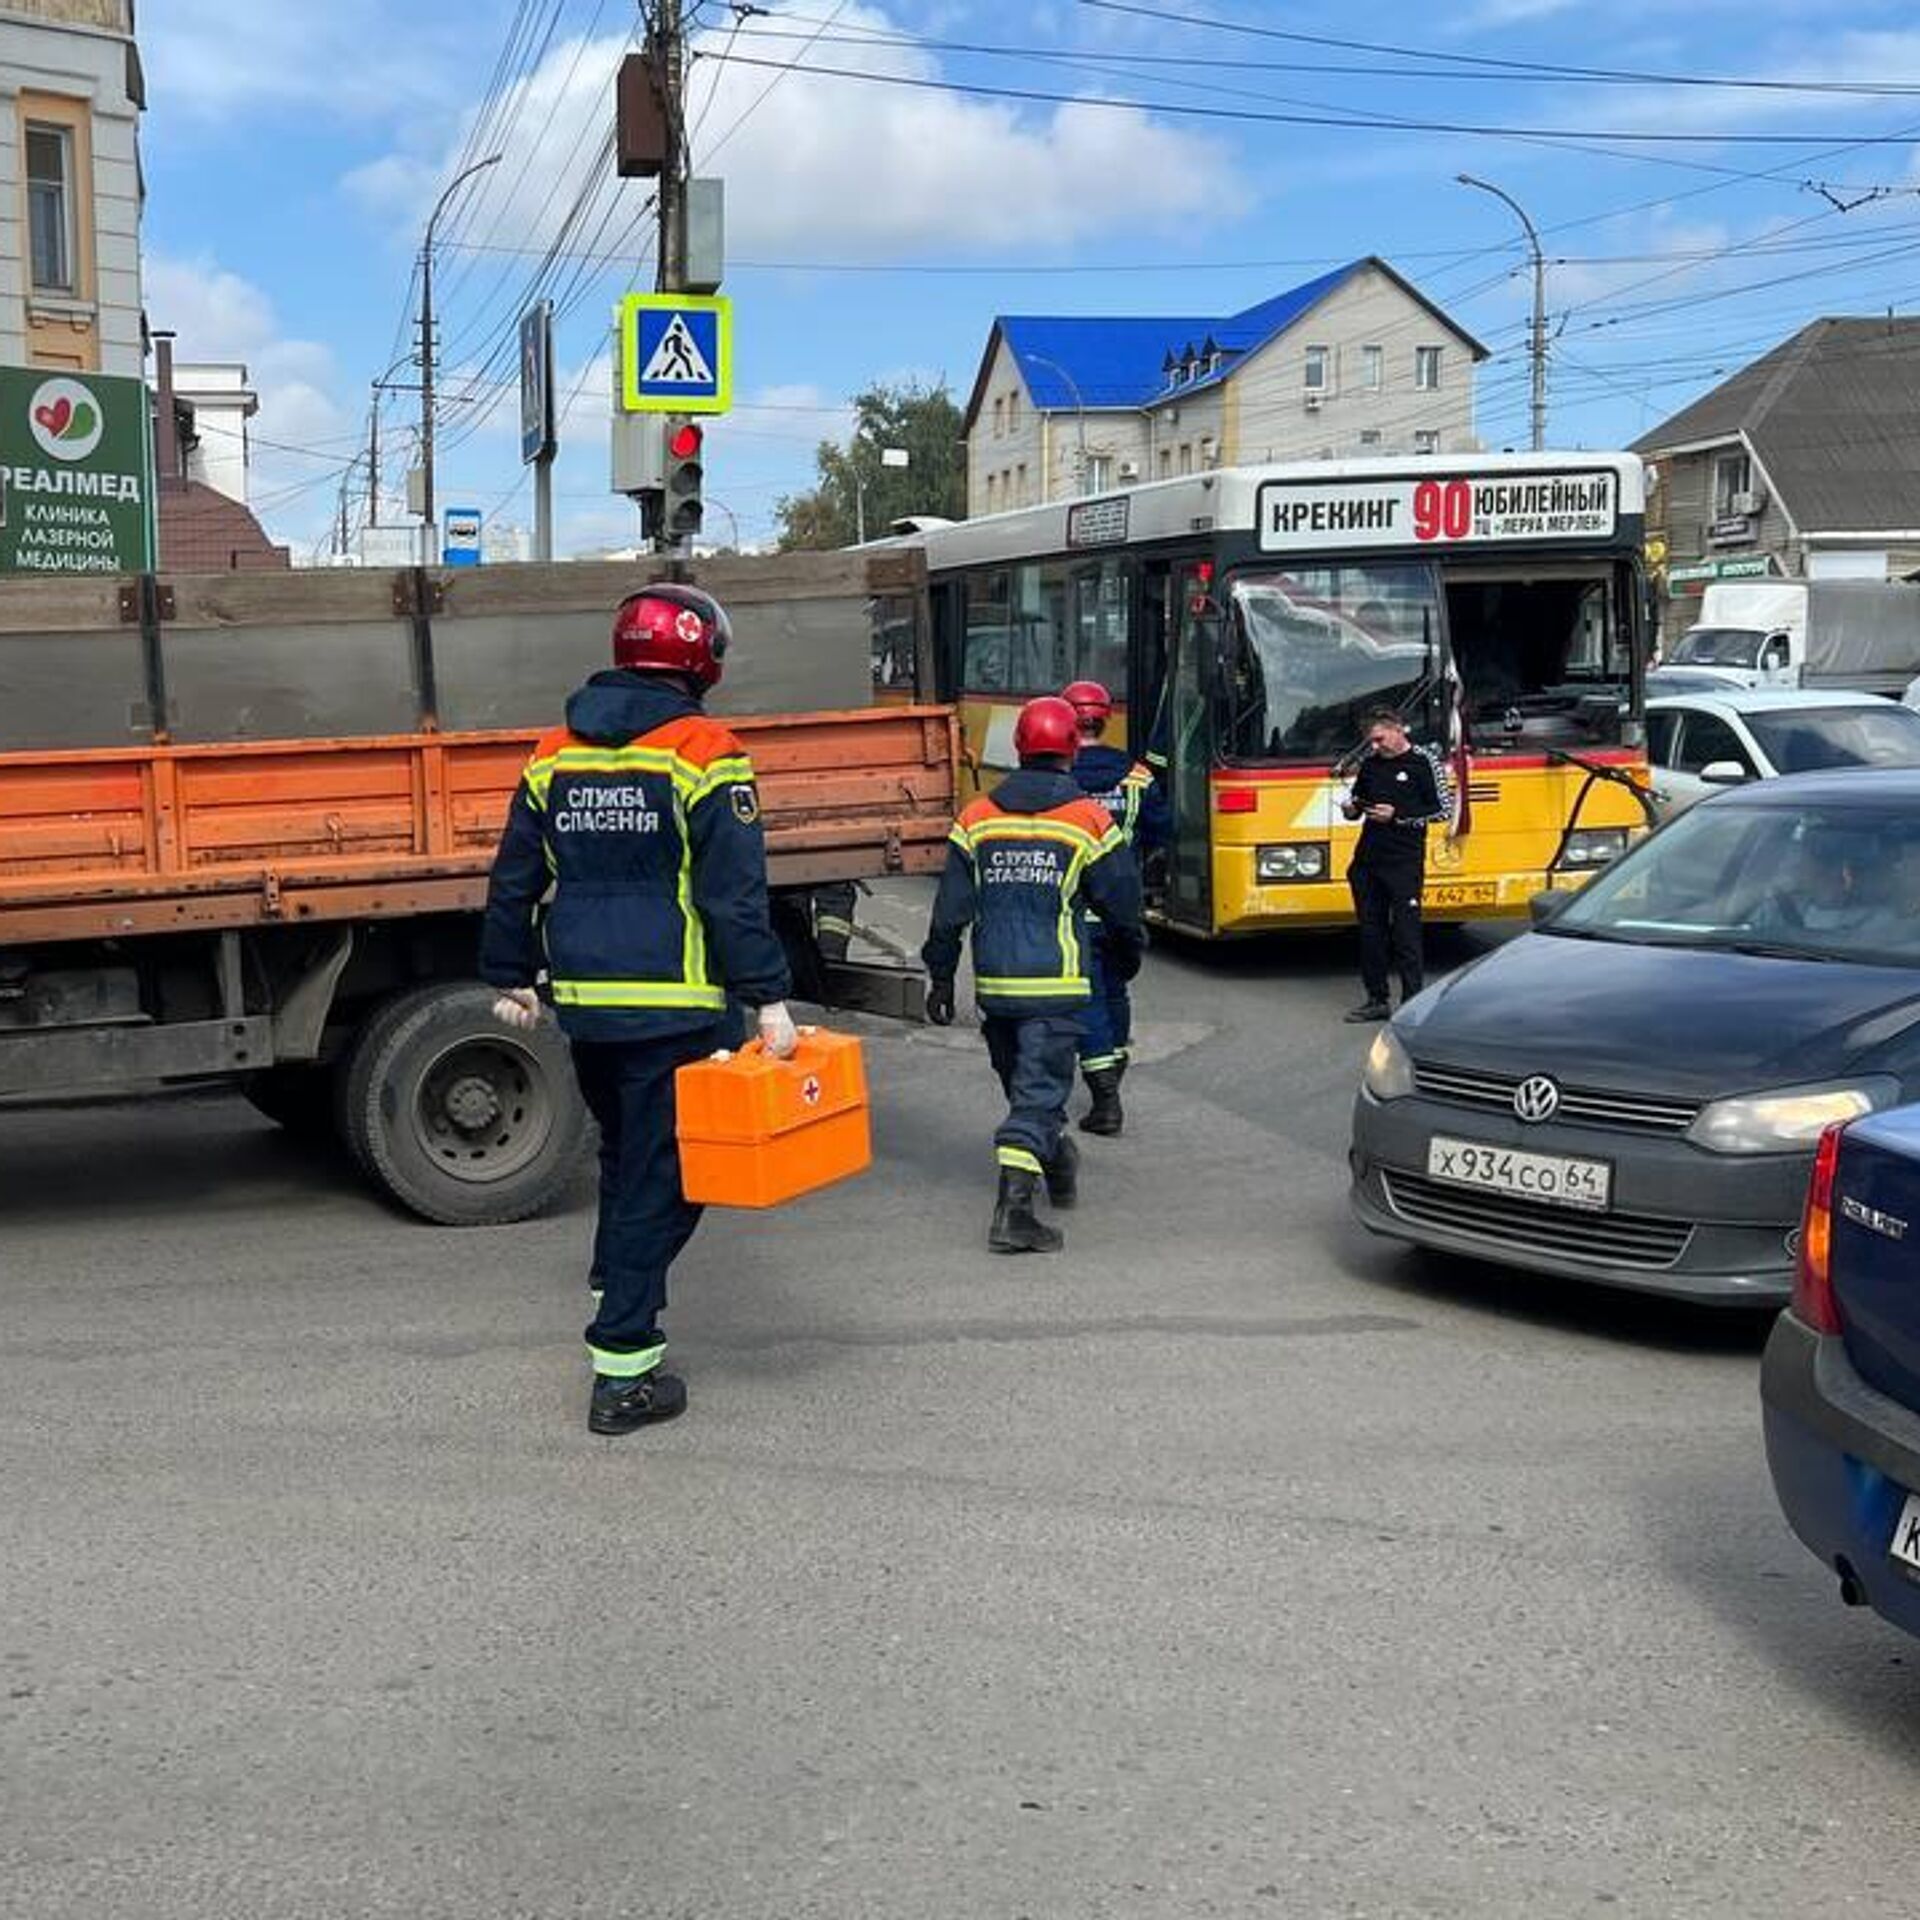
{"x": 1229, "y": 1563}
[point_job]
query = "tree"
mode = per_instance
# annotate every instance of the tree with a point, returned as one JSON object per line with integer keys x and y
{"x": 922, "y": 420}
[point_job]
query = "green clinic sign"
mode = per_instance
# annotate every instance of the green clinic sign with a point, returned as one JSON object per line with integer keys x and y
{"x": 76, "y": 469}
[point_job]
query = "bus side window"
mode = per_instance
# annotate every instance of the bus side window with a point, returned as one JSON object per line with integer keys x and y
{"x": 986, "y": 663}
{"x": 1102, "y": 596}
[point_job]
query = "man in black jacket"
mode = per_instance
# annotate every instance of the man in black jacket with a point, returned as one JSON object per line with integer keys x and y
{"x": 642, "y": 820}
{"x": 1396, "y": 797}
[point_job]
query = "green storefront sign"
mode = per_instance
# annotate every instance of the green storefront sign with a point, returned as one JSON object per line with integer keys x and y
{"x": 1748, "y": 566}
{"x": 76, "y": 473}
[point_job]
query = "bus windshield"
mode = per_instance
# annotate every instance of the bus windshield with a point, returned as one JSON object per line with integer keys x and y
{"x": 1311, "y": 650}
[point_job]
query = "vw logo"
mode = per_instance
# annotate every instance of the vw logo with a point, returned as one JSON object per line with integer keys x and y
{"x": 1536, "y": 1098}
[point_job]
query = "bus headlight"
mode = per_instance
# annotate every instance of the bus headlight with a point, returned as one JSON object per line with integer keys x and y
{"x": 1594, "y": 847}
{"x": 1388, "y": 1074}
{"x": 1297, "y": 860}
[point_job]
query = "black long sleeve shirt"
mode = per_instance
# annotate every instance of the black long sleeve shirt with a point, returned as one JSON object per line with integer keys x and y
{"x": 1405, "y": 782}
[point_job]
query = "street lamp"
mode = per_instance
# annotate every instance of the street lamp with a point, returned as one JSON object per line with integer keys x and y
{"x": 1539, "y": 344}
{"x": 426, "y": 345}
{"x": 889, "y": 457}
{"x": 1079, "y": 409}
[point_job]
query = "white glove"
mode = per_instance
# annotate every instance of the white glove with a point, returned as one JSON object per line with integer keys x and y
{"x": 777, "y": 1031}
{"x": 518, "y": 1007}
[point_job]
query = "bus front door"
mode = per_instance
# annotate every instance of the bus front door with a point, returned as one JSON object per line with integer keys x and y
{"x": 1189, "y": 737}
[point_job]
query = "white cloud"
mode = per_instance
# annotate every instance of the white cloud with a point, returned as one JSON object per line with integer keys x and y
{"x": 218, "y": 315}
{"x": 1513, "y": 13}
{"x": 211, "y": 59}
{"x": 826, "y": 167}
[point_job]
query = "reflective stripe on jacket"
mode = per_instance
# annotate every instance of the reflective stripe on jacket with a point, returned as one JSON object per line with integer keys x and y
{"x": 1128, "y": 790}
{"x": 650, "y": 846}
{"x": 1023, "y": 867}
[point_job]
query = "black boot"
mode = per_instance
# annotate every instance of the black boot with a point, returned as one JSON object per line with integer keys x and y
{"x": 1015, "y": 1228}
{"x": 1063, "y": 1174}
{"x": 622, "y": 1406}
{"x": 1105, "y": 1116}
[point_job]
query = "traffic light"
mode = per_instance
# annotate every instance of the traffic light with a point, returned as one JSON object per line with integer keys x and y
{"x": 685, "y": 439}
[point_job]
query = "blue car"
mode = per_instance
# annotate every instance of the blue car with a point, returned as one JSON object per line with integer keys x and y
{"x": 1840, "y": 1386}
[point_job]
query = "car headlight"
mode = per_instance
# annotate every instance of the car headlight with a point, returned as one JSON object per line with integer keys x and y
{"x": 1388, "y": 1074}
{"x": 1594, "y": 846}
{"x": 1791, "y": 1118}
{"x": 1297, "y": 860}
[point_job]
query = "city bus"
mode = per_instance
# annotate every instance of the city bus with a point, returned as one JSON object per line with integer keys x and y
{"x": 1247, "y": 621}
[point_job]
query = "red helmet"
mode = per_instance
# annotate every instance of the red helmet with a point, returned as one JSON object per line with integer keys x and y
{"x": 667, "y": 628}
{"x": 1046, "y": 730}
{"x": 1091, "y": 702}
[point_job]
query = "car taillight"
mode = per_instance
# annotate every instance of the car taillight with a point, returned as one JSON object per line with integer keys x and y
{"x": 1813, "y": 1299}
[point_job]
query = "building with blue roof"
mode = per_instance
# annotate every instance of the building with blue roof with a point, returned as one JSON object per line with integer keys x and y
{"x": 1355, "y": 361}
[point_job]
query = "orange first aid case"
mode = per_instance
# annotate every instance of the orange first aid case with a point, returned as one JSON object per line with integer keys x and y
{"x": 755, "y": 1131}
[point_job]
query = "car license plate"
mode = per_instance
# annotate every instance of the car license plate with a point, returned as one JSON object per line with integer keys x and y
{"x": 1905, "y": 1545}
{"x": 1549, "y": 1177}
{"x": 1460, "y": 893}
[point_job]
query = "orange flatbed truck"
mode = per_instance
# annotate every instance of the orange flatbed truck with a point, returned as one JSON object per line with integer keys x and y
{"x": 298, "y": 915}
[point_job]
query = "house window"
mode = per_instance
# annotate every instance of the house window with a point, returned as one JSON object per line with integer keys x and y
{"x": 993, "y": 489}
{"x": 1373, "y": 368}
{"x": 1732, "y": 475}
{"x": 1186, "y": 456}
{"x": 1209, "y": 456}
{"x": 1426, "y": 369}
{"x": 1426, "y": 441}
{"x": 1166, "y": 463}
{"x": 999, "y": 417}
{"x": 1020, "y": 479}
{"x": 50, "y": 207}
{"x": 1099, "y": 472}
{"x": 1013, "y": 413}
{"x": 1319, "y": 369}
{"x": 1371, "y": 437}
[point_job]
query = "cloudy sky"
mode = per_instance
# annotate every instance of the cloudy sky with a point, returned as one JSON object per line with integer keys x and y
{"x": 898, "y": 171}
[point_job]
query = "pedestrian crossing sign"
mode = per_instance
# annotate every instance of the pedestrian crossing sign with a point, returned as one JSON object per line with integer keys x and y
{"x": 676, "y": 353}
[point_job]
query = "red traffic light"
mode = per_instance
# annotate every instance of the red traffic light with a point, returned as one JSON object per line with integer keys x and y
{"x": 683, "y": 443}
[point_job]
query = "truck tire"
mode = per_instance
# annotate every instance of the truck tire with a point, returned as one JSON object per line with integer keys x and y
{"x": 301, "y": 1099}
{"x": 461, "y": 1119}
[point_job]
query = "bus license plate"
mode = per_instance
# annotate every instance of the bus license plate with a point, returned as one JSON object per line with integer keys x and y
{"x": 1548, "y": 1177}
{"x": 1905, "y": 1544}
{"x": 1459, "y": 893}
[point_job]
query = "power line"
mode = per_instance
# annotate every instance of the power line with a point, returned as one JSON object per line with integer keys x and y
{"x": 1532, "y": 69}
{"x": 1363, "y": 123}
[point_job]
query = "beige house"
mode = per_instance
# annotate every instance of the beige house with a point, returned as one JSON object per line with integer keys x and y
{"x": 1358, "y": 361}
{"x": 71, "y": 94}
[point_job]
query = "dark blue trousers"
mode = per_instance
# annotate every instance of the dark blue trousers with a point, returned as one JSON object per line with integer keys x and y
{"x": 1034, "y": 1056}
{"x": 1106, "y": 1027}
{"x": 645, "y": 1219}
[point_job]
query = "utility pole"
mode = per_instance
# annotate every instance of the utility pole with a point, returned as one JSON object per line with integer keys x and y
{"x": 428, "y": 513}
{"x": 669, "y": 51}
{"x": 1537, "y": 344}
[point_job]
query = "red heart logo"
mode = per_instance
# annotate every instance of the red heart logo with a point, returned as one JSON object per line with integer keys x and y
{"x": 55, "y": 417}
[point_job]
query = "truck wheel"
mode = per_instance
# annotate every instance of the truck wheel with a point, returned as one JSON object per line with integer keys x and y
{"x": 462, "y": 1120}
{"x": 301, "y": 1099}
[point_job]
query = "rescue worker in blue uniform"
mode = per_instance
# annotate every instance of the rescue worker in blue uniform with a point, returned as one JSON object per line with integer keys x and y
{"x": 638, "y": 825}
{"x": 1128, "y": 790}
{"x": 1024, "y": 865}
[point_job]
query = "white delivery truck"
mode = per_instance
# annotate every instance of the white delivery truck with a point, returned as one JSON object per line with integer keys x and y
{"x": 1859, "y": 634}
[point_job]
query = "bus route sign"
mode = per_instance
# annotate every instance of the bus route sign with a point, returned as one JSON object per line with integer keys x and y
{"x": 1445, "y": 510}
